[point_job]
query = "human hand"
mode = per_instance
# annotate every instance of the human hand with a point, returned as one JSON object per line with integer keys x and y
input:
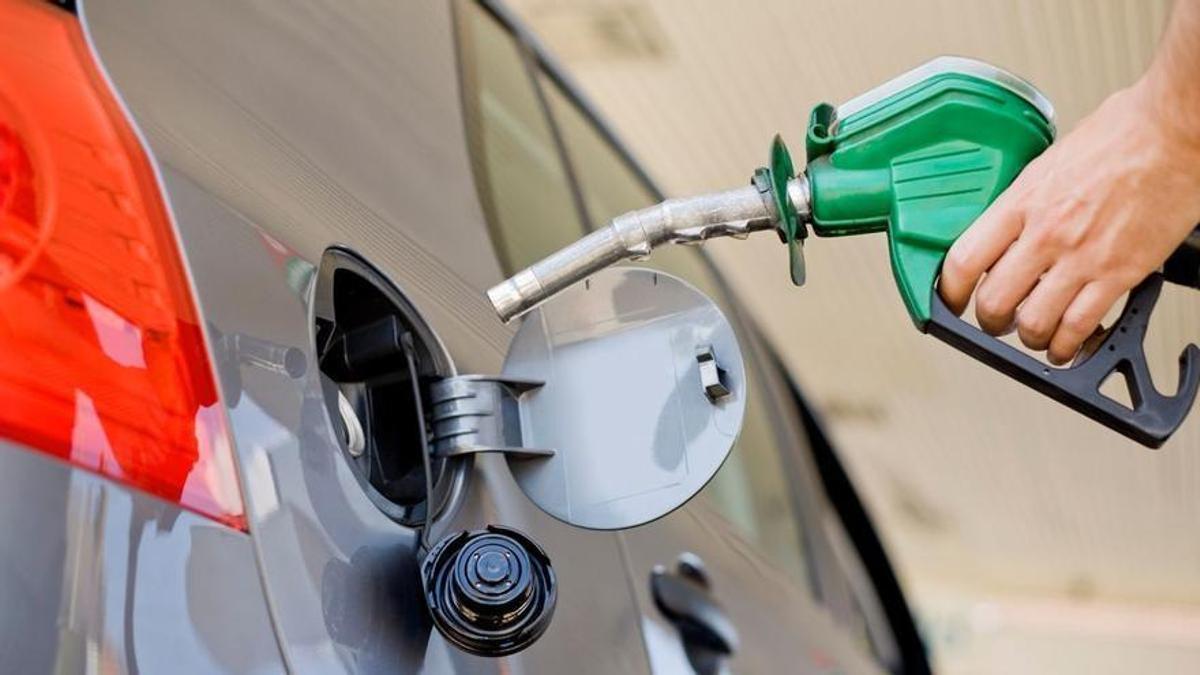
{"x": 1082, "y": 224}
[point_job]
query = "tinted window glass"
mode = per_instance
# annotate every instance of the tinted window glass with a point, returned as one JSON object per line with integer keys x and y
{"x": 518, "y": 169}
{"x": 751, "y": 490}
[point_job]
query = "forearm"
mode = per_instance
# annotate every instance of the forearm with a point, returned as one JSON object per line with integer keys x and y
{"x": 1173, "y": 78}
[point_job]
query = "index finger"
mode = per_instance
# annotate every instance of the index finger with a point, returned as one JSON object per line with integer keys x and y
{"x": 977, "y": 249}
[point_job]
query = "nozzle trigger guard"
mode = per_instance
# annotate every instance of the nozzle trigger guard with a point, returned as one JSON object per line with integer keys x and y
{"x": 1153, "y": 418}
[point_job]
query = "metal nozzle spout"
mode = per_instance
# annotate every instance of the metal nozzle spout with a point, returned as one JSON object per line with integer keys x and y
{"x": 733, "y": 213}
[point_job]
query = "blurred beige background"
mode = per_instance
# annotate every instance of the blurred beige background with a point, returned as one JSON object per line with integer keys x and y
{"x": 1030, "y": 539}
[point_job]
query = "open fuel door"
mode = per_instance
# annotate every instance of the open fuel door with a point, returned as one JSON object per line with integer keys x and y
{"x": 618, "y": 401}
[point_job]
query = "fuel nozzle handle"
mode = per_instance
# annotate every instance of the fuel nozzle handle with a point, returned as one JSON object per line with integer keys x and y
{"x": 921, "y": 158}
{"x": 631, "y": 236}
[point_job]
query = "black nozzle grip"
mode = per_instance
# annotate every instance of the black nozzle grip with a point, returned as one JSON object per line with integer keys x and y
{"x": 1153, "y": 417}
{"x": 1183, "y": 266}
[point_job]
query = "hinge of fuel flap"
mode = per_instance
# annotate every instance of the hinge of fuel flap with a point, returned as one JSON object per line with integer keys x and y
{"x": 478, "y": 413}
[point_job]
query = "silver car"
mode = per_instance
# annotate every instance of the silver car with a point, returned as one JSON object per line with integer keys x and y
{"x": 243, "y": 254}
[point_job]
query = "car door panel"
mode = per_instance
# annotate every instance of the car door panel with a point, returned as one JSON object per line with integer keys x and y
{"x": 776, "y": 622}
{"x": 763, "y": 516}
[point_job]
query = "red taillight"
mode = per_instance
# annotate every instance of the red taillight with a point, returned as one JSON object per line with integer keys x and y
{"x": 102, "y": 361}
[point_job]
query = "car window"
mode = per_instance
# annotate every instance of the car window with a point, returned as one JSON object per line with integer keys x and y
{"x": 751, "y": 490}
{"x": 518, "y": 168}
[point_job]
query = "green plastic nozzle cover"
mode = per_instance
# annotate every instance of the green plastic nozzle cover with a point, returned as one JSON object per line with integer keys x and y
{"x": 922, "y": 165}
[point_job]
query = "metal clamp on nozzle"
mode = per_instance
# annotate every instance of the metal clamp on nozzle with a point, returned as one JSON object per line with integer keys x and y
{"x": 733, "y": 213}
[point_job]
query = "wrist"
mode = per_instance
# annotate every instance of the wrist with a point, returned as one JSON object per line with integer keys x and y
{"x": 1172, "y": 105}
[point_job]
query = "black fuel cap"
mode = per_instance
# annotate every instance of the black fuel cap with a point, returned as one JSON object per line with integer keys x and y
{"x": 491, "y": 592}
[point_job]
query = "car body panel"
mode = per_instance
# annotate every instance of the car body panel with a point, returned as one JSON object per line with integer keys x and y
{"x": 776, "y": 619}
{"x": 780, "y": 618}
{"x": 106, "y": 578}
{"x": 283, "y": 129}
{"x": 320, "y": 123}
{"x": 263, "y": 172}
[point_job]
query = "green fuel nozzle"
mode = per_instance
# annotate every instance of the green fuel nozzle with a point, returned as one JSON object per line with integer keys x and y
{"x": 919, "y": 158}
{"x": 921, "y": 163}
